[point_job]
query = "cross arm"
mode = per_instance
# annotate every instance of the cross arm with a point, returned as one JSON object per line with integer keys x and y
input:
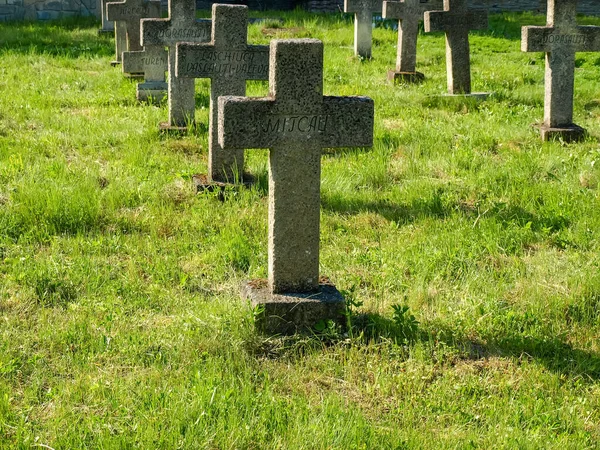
{"x": 207, "y": 61}
{"x": 244, "y": 122}
{"x": 132, "y": 62}
{"x": 358, "y": 6}
{"x": 444, "y": 20}
{"x": 163, "y": 32}
{"x": 393, "y": 10}
{"x": 349, "y": 122}
{"x": 544, "y": 39}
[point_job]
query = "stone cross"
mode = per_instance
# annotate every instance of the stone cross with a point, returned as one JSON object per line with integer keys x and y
{"x": 295, "y": 122}
{"x": 153, "y": 63}
{"x": 363, "y": 23}
{"x": 131, "y": 12}
{"x": 408, "y": 13}
{"x": 560, "y": 40}
{"x": 228, "y": 61}
{"x": 107, "y": 25}
{"x": 456, "y": 20}
{"x": 120, "y": 42}
{"x": 181, "y": 26}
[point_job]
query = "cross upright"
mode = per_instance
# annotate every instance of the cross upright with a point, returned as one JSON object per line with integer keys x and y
{"x": 456, "y": 20}
{"x": 120, "y": 42}
{"x": 107, "y": 25}
{"x": 408, "y": 13}
{"x": 560, "y": 40}
{"x": 295, "y": 122}
{"x": 130, "y": 12}
{"x": 363, "y": 23}
{"x": 153, "y": 63}
{"x": 181, "y": 26}
{"x": 228, "y": 61}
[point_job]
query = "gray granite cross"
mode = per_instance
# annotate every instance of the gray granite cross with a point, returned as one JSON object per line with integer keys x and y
{"x": 181, "y": 26}
{"x": 363, "y": 23}
{"x": 228, "y": 61}
{"x": 120, "y": 42}
{"x": 295, "y": 122}
{"x": 408, "y": 13}
{"x": 456, "y": 20}
{"x": 560, "y": 40}
{"x": 153, "y": 63}
{"x": 131, "y": 12}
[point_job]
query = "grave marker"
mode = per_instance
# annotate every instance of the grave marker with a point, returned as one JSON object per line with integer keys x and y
{"x": 295, "y": 122}
{"x": 456, "y": 20}
{"x": 131, "y": 12}
{"x": 228, "y": 61}
{"x": 560, "y": 40}
{"x": 153, "y": 63}
{"x": 120, "y": 42}
{"x": 181, "y": 26}
{"x": 408, "y": 13}
{"x": 363, "y": 23}
{"x": 108, "y": 27}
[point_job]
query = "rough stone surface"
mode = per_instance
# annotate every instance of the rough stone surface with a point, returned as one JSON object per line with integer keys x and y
{"x": 363, "y": 23}
{"x": 294, "y": 312}
{"x": 228, "y": 61}
{"x": 295, "y": 122}
{"x": 120, "y": 42}
{"x": 131, "y": 12}
{"x": 456, "y": 20}
{"x": 560, "y": 40}
{"x": 153, "y": 63}
{"x": 181, "y": 26}
{"x": 408, "y": 13}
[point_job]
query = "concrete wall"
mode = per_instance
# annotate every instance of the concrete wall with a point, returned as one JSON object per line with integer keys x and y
{"x": 54, "y": 9}
{"x": 46, "y": 9}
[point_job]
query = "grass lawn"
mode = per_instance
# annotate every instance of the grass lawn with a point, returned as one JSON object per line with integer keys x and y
{"x": 468, "y": 251}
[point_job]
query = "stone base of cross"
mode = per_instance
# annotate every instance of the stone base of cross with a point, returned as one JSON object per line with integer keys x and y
{"x": 568, "y": 134}
{"x": 405, "y": 77}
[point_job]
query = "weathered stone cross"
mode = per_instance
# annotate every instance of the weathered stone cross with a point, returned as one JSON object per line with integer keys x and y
{"x": 560, "y": 40}
{"x": 107, "y": 25}
{"x": 131, "y": 12}
{"x": 181, "y": 26}
{"x": 456, "y": 20}
{"x": 153, "y": 63}
{"x": 363, "y": 23}
{"x": 295, "y": 122}
{"x": 409, "y": 13}
{"x": 228, "y": 61}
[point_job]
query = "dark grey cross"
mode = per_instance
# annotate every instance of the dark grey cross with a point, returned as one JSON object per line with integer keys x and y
{"x": 560, "y": 40}
{"x": 456, "y": 20}
{"x": 131, "y": 12}
{"x": 107, "y": 25}
{"x": 153, "y": 63}
{"x": 408, "y": 13}
{"x": 181, "y": 26}
{"x": 363, "y": 23}
{"x": 228, "y": 61}
{"x": 295, "y": 122}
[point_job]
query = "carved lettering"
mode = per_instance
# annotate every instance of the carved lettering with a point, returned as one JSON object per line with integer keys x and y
{"x": 154, "y": 61}
{"x": 297, "y": 124}
{"x": 564, "y": 39}
{"x": 182, "y": 33}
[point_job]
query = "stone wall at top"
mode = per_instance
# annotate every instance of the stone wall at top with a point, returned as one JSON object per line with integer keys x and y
{"x": 55, "y": 9}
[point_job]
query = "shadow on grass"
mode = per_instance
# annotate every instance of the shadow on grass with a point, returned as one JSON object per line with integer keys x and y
{"x": 66, "y": 38}
{"x": 437, "y": 206}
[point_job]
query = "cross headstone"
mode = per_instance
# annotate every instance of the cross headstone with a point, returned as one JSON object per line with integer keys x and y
{"x": 560, "y": 40}
{"x": 295, "y": 122}
{"x": 363, "y": 23}
{"x": 456, "y": 20}
{"x": 131, "y": 12}
{"x": 181, "y": 26}
{"x": 153, "y": 63}
{"x": 107, "y": 25}
{"x": 408, "y": 13}
{"x": 228, "y": 61}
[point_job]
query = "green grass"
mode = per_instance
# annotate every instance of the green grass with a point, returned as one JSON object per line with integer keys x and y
{"x": 120, "y": 319}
